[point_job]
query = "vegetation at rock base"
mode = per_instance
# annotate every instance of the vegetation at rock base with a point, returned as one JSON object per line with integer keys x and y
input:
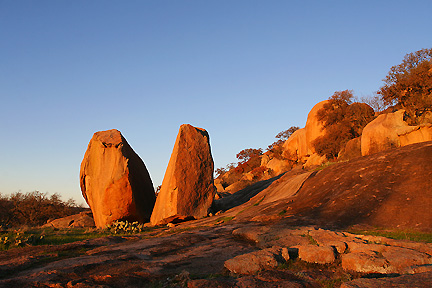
{"x": 125, "y": 227}
{"x": 34, "y": 208}
{"x": 343, "y": 120}
{"x": 415, "y": 236}
{"x": 46, "y": 236}
{"x": 409, "y": 84}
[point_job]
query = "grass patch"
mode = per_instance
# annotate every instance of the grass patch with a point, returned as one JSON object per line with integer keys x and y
{"x": 312, "y": 241}
{"x": 335, "y": 282}
{"x": 283, "y": 212}
{"x": 397, "y": 234}
{"x": 225, "y": 219}
{"x": 259, "y": 202}
{"x": 47, "y": 236}
{"x": 324, "y": 165}
{"x": 71, "y": 235}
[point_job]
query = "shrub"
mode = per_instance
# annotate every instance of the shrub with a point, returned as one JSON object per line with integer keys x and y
{"x": 19, "y": 240}
{"x": 34, "y": 208}
{"x": 343, "y": 120}
{"x": 125, "y": 227}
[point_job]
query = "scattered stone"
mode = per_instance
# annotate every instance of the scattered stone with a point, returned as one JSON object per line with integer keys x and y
{"x": 376, "y": 258}
{"x": 329, "y": 238}
{"x": 316, "y": 254}
{"x": 285, "y": 254}
{"x": 251, "y": 233}
{"x": 255, "y": 261}
{"x": 363, "y": 262}
{"x": 114, "y": 180}
{"x": 418, "y": 269}
{"x": 187, "y": 188}
{"x": 413, "y": 281}
{"x": 213, "y": 283}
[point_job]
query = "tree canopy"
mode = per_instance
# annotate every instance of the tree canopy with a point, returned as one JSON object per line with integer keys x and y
{"x": 409, "y": 84}
{"x": 343, "y": 120}
{"x": 247, "y": 154}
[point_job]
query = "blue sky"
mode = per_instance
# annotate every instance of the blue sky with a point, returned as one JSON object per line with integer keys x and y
{"x": 243, "y": 70}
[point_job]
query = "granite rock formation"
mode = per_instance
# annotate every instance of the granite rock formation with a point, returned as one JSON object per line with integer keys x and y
{"x": 187, "y": 188}
{"x": 299, "y": 145}
{"x": 391, "y": 131}
{"x": 114, "y": 180}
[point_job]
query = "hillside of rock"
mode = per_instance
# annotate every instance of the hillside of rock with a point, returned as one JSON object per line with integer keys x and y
{"x": 288, "y": 231}
{"x": 390, "y": 189}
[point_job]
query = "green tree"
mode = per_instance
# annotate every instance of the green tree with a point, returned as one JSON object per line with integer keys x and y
{"x": 409, "y": 84}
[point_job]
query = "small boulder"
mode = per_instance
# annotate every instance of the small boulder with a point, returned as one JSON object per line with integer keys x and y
{"x": 114, "y": 180}
{"x": 377, "y": 258}
{"x": 253, "y": 262}
{"x": 329, "y": 238}
{"x": 351, "y": 150}
{"x": 188, "y": 186}
{"x": 278, "y": 166}
{"x": 80, "y": 220}
{"x": 413, "y": 281}
{"x": 316, "y": 254}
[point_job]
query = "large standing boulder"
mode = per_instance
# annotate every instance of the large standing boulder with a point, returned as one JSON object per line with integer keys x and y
{"x": 187, "y": 188}
{"x": 114, "y": 180}
{"x": 299, "y": 145}
{"x": 314, "y": 127}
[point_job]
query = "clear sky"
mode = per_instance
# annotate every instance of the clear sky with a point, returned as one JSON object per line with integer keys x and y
{"x": 243, "y": 70}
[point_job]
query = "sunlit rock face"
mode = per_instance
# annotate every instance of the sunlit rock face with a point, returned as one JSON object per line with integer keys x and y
{"x": 114, "y": 180}
{"x": 299, "y": 145}
{"x": 187, "y": 188}
{"x": 391, "y": 131}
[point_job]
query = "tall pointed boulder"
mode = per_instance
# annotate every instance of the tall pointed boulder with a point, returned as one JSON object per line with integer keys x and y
{"x": 187, "y": 188}
{"x": 114, "y": 180}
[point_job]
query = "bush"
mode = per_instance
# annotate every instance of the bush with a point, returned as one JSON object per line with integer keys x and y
{"x": 125, "y": 227}
{"x": 19, "y": 240}
{"x": 34, "y": 208}
{"x": 343, "y": 120}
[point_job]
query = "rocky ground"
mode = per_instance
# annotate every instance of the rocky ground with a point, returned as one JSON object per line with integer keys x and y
{"x": 289, "y": 231}
{"x": 219, "y": 252}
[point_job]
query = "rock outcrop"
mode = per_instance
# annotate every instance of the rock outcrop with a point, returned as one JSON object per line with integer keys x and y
{"x": 114, "y": 180}
{"x": 387, "y": 189}
{"x": 391, "y": 131}
{"x": 299, "y": 145}
{"x": 187, "y": 188}
{"x": 358, "y": 253}
{"x": 253, "y": 262}
{"x": 80, "y": 220}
